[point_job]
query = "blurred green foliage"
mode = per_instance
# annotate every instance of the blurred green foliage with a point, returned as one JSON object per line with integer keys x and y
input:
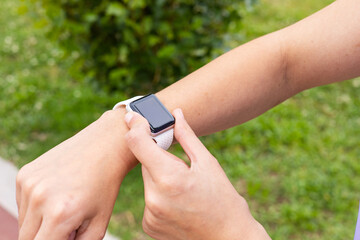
{"x": 139, "y": 46}
{"x": 297, "y": 165}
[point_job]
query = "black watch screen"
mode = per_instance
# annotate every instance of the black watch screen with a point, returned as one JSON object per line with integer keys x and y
{"x": 154, "y": 111}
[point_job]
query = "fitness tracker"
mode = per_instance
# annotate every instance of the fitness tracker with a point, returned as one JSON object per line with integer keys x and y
{"x": 160, "y": 119}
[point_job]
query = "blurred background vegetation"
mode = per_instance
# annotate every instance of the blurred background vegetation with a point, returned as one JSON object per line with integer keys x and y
{"x": 137, "y": 45}
{"x": 63, "y": 63}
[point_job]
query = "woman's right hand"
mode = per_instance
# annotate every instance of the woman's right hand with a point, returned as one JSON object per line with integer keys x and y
{"x": 182, "y": 202}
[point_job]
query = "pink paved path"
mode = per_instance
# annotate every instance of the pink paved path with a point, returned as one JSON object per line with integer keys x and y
{"x": 8, "y": 226}
{"x": 8, "y": 208}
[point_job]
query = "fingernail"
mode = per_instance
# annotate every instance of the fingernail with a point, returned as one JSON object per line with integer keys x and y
{"x": 128, "y": 117}
{"x": 181, "y": 114}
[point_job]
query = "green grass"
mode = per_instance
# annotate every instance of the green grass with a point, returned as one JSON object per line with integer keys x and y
{"x": 297, "y": 165}
{"x": 39, "y": 103}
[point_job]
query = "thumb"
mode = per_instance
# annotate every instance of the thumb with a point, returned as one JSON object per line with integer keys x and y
{"x": 191, "y": 144}
{"x": 141, "y": 144}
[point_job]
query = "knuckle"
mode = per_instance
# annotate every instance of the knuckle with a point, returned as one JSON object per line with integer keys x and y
{"x": 165, "y": 183}
{"x": 180, "y": 131}
{"x": 27, "y": 186}
{"x": 149, "y": 226}
{"x": 146, "y": 227}
{"x": 21, "y": 176}
{"x": 132, "y": 137}
{"x": 62, "y": 210}
{"x": 155, "y": 207}
{"x": 18, "y": 201}
{"x": 38, "y": 195}
{"x": 152, "y": 204}
{"x": 140, "y": 124}
{"x": 58, "y": 213}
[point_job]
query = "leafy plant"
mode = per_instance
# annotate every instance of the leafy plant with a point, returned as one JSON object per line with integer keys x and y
{"x": 139, "y": 45}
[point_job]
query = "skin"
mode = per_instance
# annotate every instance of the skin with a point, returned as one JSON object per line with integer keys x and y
{"x": 182, "y": 202}
{"x": 74, "y": 185}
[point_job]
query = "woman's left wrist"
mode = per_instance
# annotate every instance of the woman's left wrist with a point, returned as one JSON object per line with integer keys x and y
{"x": 112, "y": 125}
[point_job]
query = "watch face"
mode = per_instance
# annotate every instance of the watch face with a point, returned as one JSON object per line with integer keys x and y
{"x": 154, "y": 111}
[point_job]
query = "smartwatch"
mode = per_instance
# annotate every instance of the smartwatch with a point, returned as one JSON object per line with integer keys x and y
{"x": 160, "y": 119}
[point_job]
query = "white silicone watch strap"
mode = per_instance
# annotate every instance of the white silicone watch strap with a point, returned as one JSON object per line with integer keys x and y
{"x": 163, "y": 140}
{"x": 126, "y": 102}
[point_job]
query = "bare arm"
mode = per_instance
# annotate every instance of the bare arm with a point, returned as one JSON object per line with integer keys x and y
{"x": 325, "y": 47}
{"x": 232, "y": 89}
{"x": 247, "y": 81}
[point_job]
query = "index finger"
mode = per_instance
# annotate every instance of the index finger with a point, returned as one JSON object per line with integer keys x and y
{"x": 154, "y": 158}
